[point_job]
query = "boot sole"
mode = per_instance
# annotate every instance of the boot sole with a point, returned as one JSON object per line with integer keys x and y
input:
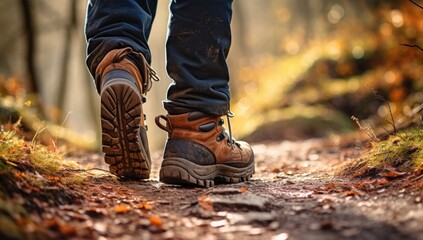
{"x": 184, "y": 172}
{"x": 121, "y": 108}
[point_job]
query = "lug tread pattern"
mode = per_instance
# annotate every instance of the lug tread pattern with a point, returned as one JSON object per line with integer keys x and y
{"x": 121, "y": 109}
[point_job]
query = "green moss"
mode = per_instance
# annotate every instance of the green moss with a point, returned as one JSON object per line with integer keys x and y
{"x": 15, "y": 149}
{"x": 403, "y": 151}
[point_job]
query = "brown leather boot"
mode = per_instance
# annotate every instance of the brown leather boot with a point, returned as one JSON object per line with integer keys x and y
{"x": 124, "y": 138}
{"x": 199, "y": 152}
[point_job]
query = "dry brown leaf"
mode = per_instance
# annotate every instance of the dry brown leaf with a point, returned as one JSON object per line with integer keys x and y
{"x": 155, "y": 220}
{"x": 380, "y": 182}
{"x": 418, "y": 171}
{"x": 67, "y": 230}
{"x": 393, "y": 174}
{"x": 121, "y": 208}
{"x": 351, "y": 193}
{"x": 205, "y": 202}
{"x": 145, "y": 205}
{"x": 330, "y": 186}
{"x": 51, "y": 223}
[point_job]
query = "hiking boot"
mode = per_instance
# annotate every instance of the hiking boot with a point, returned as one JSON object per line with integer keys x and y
{"x": 199, "y": 152}
{"x": 124, "y": 138}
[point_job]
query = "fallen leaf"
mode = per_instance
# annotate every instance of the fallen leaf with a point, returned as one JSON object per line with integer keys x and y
{"x": 361, "y": 185}
{"x": 393, "y": 174}
{"x": 330, "y": 186}
{"x": 145, "y": 205}
{"x": 325, "y": 200}
{"x": 243, "y": 189}
{"x": 51, "y": 223}
{"x": 67, "y": 230}
{"x": 418, "y": 171}
{"x": 155, "y": 220}
{"x": 352, "y": 193}
{"x": 379, "y": 182}
{"x": 205, "y": 202}
{"x": 121, "y": 208}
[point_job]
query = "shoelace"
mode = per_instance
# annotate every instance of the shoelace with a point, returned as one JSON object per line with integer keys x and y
{"x": 231, "y": 141}
{"x": 149, "y": 74}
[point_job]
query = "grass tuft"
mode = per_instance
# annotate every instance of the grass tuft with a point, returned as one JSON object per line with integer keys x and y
{"x": 15, "y": 150}
{"x": 403, "y": 151}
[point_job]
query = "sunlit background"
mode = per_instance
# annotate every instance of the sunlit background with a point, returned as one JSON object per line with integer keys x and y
{"x": 299, "y": 68}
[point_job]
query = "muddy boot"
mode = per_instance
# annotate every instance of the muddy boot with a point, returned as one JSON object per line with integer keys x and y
{"x": 122, "y": 88}
{"x": 199, "y": 152}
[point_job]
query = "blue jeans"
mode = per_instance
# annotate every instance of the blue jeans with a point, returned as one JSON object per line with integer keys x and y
{"x": 197, "y": 46}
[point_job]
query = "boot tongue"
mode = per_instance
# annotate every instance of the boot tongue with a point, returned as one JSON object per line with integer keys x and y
{"x": 196, "y": 115}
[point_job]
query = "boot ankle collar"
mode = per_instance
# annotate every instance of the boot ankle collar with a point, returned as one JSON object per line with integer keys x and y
{"x": 144, "y": 77}
{"x": 185, "y": 121}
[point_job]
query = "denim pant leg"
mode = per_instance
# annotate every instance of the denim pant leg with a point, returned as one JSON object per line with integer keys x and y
{"x": 113, "y": 24}
{"x": 198, "y": 43}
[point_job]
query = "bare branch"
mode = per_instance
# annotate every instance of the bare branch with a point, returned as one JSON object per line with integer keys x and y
{"x": 412, "y": 45}
{"x": 418, "y": 5}
{"x": 381, "y": 98}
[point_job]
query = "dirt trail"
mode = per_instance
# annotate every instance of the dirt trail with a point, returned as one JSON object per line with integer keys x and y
{"x": 294, "y": 195}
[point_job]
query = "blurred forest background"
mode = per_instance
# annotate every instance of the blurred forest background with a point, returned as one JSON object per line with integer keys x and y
{"x": 299, "y": 68}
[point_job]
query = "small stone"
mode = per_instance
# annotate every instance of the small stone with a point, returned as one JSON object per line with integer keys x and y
{"x": 282, "y": 236}
{"x": 273, "y": 226}
{"x": 219, "y": 223}
{"x": 100, "y": 227}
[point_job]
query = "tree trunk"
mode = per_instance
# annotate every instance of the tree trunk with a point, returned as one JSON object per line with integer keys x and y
{"x": 30, "y": 40}
{"x": 64, "y": 78}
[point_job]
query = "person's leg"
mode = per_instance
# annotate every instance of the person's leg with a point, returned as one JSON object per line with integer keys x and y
{"x": 197, "y": 46}
{"x": 118, "y": 58}
{"x": 198, "y": 150}
{"x": 115, "y": 24}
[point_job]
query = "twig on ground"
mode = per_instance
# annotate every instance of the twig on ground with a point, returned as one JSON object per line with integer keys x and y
{"x": 417, "y": 178}
{"x": 86, "y": 170}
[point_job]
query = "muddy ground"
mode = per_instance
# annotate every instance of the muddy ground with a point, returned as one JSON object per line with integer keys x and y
{"x": 295, "y": 194}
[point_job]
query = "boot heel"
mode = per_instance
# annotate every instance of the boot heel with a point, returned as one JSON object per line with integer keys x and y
{"x": 183, "y": 172}
{"x": 121, "y": 107}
